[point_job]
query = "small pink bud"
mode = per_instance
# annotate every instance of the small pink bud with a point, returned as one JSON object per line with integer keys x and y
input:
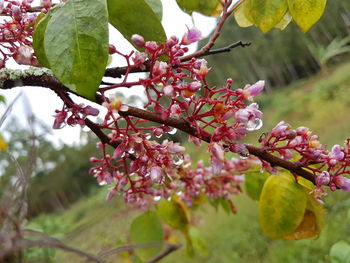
{"x": 88, "y": 110}
{"x": 112, "y": 49}
{"x": 46, "y": 3}
{"x": 337, "y": 153}
{"x": 138, "y": 40}
{"x": 16, "y": 12}
{"x": 323, "y": 178}
{"x": 342, "y": 182}
{"x": 194, "y": 86}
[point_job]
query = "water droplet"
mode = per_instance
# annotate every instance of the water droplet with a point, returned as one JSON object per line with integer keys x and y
{"x": 179, "y": 161}
{"x": 131, "y": 151}
{"x": 148, "y": 136}
{"x": 159, "y": 135}
{"x": 253, "y": 125}
{"x": 172, "y": 131}
{"x": 244, "y": 155}
{"x": 156, "y": 198}
{"x": 103, "y": 182}
{"x": 179, "y": 193}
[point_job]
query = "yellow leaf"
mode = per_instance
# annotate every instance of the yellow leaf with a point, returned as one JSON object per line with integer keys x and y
{"x": 311, "y": 224}
{"x": 284, "y": 22}
{"x": 3, "y": 144}
{"x": 266, "y": 13}
{"x": 306, "y": 12}
{"x": 174, "y": 213}
{"x": 282, "y": 205}
{"x": 306, "y": 229}
{"x": 240, "y": 16}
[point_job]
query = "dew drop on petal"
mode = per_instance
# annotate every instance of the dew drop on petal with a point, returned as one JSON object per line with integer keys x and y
{"x": 131, "y": 151}
{"x": 156, "y": 198}
{"x": 172, "y": 131}
{"x": 243, "y": 155}
{"x": 103, "y": 182}
{"x": 253, "y": 125}
{"x": 148, "y": 136}
{"x": 179, "y": 161}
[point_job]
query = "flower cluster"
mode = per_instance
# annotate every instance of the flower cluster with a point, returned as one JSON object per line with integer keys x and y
{"x": 328, "y": 167}
{"x": 16, "y": 30}
{"x": 143, "y": 164}
{"x": 76, "y": 114}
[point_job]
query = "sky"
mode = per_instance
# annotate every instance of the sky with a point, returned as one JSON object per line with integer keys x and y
{"x": 43, "y": 102}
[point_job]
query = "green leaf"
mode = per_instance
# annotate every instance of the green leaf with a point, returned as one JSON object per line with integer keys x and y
{"x": 135, "y": 17}
{"x": 340, "y": 252}
{"x": 266, "y": 13}
{"x": 157, "y": 8}
{"x": 205, "y": 7}
{"x": 147, "y": 228}
{"x": 76, "y": 45}
{"x": 282, "y": 205}
{"x": 39, "y": 36}
{"x": 306, "y": 12}
{"x": 2, "y": 99}
{"x": 174, "y": 213}
{"x": 254, "y": 183}
{"x": 196, "y": 240}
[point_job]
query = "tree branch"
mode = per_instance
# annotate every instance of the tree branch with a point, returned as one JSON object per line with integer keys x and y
{"x": 48, "y": 81}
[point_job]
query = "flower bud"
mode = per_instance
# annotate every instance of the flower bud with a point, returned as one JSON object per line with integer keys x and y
{"x": 138, "y": 40}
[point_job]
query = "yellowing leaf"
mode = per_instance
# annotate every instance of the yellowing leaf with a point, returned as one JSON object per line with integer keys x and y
{"x": 266, "y": 13}
{"x": 174, "y": 213}
{"x": 306, "y": 183}
{"x": 240, "y": 16}
{"x": 306, "y": 12}
{"x": 3, "y": 144}
{"x": 205, "y": 7}
{"x": 282, "y": 205}
{"x": 284, "y": 22}
{"x": 306, "y": 229}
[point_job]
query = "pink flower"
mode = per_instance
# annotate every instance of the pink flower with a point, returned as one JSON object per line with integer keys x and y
{"x": 191, "y": 36}
{"x": 159, "y": 68}
{"x": 139, "y": 58}
{"x": 156, "y": 174}
{"x": 250, "y": 91}
{"x": 175, "y": 111}
{"x": 280, "y": 130}
{"x": 151, "y": 47}
{"x": 169, "y": 91}
{"x": 342, "y": 182}
{"x": 194, "y": 86}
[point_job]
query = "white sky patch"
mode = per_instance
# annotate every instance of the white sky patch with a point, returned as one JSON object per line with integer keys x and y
{"x": 44, "y": 102}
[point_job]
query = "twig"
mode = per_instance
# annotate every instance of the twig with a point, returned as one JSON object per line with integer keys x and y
{"x": 169, "y": 249}
{"x": 169, "y": 246}
{"x": 47, "y": 242}
{"x": 228, "y": 48}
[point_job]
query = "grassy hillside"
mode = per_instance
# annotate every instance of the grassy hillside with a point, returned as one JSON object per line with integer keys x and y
{"x": 320, "y": 103}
